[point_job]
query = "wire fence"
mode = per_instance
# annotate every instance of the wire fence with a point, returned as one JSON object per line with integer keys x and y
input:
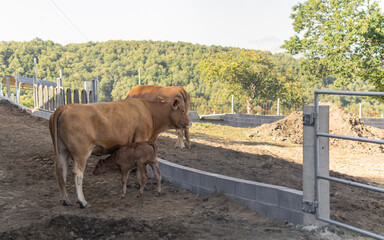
{"x": 267, "y": 107}
{"x": 282, "y": 108}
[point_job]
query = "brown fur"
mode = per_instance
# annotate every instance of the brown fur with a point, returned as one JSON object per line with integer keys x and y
{"x": 166, "y": 94}
{"x": 78, "y": 130}
{"x": 138, "y": 155}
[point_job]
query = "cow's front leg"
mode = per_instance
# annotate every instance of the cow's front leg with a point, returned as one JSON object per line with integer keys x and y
{"x": 180, "y": 142}
{"x": 187, "y": 137}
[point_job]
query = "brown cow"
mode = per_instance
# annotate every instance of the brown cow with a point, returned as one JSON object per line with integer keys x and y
{"x": 137, "y": 155}
{"x": 167, "y": 94}
{"x": 79, "y": 130}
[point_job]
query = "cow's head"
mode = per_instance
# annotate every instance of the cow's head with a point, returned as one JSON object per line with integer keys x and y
{"x": 179, "y": 115}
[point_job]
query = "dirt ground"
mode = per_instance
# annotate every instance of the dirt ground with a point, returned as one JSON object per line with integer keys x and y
{"x": 30, "y": 207}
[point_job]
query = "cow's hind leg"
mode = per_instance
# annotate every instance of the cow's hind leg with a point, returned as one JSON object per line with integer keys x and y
{"x": 180, "y": 142}
{"x": 61, "y": 170}
{"x": 80, "y": 163}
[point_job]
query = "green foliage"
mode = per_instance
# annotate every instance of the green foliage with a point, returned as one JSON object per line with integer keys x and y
{"x": 340, "y": 38}
{"x": 254, "y": 74}
{"x": 117, "y": 64}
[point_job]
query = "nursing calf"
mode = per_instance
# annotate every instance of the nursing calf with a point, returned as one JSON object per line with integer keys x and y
{"x": 138, "y": 155}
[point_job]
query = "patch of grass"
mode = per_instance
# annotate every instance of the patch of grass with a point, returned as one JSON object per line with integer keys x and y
{"x": 220, "y": 132}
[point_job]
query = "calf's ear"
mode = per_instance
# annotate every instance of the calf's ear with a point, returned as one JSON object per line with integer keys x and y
{"x": 175, "y": 103}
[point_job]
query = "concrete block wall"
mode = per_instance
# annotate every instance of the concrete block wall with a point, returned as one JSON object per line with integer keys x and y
{"x": 374, "y": 122}
{"x": 235, "y": 120}
{"x": 276, "y": 202}
{"x": 249, "y": 120}
{"x": 41, "y": 113}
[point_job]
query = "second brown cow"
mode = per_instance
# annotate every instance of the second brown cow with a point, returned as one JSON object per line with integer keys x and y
{"x": 166, "y": 94}
{"x": 138, "y": 155}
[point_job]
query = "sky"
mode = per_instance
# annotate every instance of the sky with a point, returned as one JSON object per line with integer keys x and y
{"x": 250, "y": 24}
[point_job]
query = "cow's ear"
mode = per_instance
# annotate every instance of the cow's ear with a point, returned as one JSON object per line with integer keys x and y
{"x": 175, "y": 103}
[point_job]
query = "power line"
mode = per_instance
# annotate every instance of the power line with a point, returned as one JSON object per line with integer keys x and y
{"x": 70, "y": 21}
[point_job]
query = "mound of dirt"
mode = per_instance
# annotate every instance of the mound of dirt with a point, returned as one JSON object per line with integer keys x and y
{"x": 341, "y": 122}
{"x": 287, "y": 129}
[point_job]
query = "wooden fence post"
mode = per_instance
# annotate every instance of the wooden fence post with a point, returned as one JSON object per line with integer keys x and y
{"x": 76, "y": 96}
{"x": 51, "y": 99}
{"x": 62, "y": 97}
{"x": 93, "y": 91}
{"x": 84, "y": 96}
{"x": 40, "y": 96}
{"x": 91, "y": 98}
{"x": 57, "y": 97}
{"x": 97, "y": 90}
{"x": 45, "y": 97}
{"x": 69, "y": 96}
{"x": 8, "y": 87}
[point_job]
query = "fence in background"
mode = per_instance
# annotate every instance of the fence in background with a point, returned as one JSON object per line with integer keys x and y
{"x": 50, "y": 98}
{"x": 49, "y": 95}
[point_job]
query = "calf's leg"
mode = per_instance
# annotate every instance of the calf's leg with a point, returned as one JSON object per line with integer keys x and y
{"x": 143, "y": 169}
{"x": 124, "y": 179}
{"x": 157, "y": 172}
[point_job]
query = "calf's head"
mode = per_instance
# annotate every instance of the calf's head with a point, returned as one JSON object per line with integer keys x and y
{"x": 105, "y": 165}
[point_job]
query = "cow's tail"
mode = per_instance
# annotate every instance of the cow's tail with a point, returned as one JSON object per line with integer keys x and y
{"x": 59, "y": 168}
{"x": 54, "y": 129}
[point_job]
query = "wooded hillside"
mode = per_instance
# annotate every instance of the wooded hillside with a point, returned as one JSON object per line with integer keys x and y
{"x": 117, "y": 65}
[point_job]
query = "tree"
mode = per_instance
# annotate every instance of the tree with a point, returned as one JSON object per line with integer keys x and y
{"x": 340, "y": 38}
{"x": 246, "y": 72}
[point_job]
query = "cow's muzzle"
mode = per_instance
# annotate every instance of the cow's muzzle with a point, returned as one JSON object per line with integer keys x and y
{"x": 188, "y": 126}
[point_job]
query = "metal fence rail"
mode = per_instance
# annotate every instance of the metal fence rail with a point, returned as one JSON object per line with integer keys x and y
{"x": 339, "y": 180}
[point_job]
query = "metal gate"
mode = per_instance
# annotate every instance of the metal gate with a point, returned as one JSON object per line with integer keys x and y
{"x": 319, "y": 176}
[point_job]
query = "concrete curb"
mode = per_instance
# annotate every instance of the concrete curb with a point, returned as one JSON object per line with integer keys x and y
{"x": 276, "y": 202}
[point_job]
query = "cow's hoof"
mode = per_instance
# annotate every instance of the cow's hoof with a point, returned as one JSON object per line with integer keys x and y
{"x": 158, "y": 194}
{"x": 66, "y": 203}
{"x": 87, "y": 205}
{"x": 122, "y": 196}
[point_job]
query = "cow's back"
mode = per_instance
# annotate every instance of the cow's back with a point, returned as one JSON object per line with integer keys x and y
{"x": 104, "y": 125}
{"x": 159, "y": 93}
